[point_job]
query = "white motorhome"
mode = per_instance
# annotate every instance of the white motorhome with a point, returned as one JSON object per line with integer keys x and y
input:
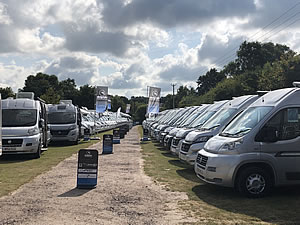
{"x": 65, "y": 122}
{"x": 24, "y": 125}
{"x": 259, "y": 149}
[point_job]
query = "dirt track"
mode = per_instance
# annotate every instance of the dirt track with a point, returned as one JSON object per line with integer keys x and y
{"x": 124, "y": 194}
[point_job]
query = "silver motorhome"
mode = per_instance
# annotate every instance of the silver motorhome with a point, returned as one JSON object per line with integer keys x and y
{"x": 259, "y": 149}
{"x": 197, "y": 123}
{"x": 196, "y": 139}
{"x": 65, "y": 122}
{"x": 24, "y": 125}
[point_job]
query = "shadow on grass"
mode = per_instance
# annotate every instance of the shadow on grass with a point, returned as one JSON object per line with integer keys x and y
{"x": 188, "y": 174}
{"x": 5, "y": 159}
{"x": 282, "y": 206}
{"x": 75, "y": 192}
{"x": 169, "y": 155}
{"x": 177, "y": 162}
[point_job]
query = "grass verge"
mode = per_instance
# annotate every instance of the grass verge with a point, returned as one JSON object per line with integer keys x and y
{"x": 18, "y": 170}
{"x": 211, "y": 204}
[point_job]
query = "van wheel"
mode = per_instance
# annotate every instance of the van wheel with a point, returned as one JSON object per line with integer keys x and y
{"x": 254, "y": 182}
{"x": 37, "y": 155}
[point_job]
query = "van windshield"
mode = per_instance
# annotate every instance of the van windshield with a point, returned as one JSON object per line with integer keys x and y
{"x": 202, "y": 119}
{"x": 218, "y": 119}
{"x": 62, "y": 117}
{"x": 19, "y": 117}
{"x": 242, "y": 124}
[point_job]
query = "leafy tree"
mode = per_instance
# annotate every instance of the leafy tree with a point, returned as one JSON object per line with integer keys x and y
{"x": 51, "y": 96}
{"x": 140, "y": 113}
{"x": 255, "y": 54}
{"x": 86, "y": 97}
{"x": 209, "y": 80}
{"x": 6, "y": 92}
{"x": 68, "y": 89}
{"x": 116, "y": 102}
{"x": 40, "y": 83}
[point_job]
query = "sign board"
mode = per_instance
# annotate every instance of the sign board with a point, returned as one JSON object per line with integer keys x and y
{"x": 122, "y": 132}
{"x": 116, "y": 136}
{"x": 0, "y": 126}
{"x": 107, "y": 144}
{"x": 145, "y": 135}
{"x": 87, "y": 170}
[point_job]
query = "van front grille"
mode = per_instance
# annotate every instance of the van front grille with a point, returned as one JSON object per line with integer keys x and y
{"x": 175, "y": 142}
{"x": 12, "y": 142}
{"x": 59, "y": 132}
{"x": 201, "y": 160}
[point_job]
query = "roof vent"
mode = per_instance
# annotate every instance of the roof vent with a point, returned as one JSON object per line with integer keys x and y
{"x": 28, "y": 95}
{"x": 296, "y": 84}
{"x": 261, "y": 93}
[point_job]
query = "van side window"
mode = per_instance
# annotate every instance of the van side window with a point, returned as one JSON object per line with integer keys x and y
{"x": 287, "y": 123}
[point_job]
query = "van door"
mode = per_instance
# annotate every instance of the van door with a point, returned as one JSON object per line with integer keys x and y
{"x": 280, "y": 138}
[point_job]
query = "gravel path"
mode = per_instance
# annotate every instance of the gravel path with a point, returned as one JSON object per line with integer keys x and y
{"x": 124, "y": 194}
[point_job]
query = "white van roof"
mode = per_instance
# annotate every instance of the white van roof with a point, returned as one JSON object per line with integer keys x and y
{"x": 21, "y": 103}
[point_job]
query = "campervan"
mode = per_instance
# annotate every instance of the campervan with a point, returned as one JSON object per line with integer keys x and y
{"x": 65, "y": 122}
{"x": 196, "y": 139}
{"x": 24, "y": 125}
{"x": 257, "y": 150}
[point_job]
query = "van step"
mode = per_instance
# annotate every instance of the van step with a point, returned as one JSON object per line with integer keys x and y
{"x": 44, "y": 149}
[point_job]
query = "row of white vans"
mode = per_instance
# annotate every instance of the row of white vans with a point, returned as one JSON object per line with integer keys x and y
{"x": 29, "y": 125}
{"x": 251, "y": 142}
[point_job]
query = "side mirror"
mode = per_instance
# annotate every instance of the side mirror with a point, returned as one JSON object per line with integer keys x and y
{"x": 267, "y": 134}
{"x": 42, "y": 123}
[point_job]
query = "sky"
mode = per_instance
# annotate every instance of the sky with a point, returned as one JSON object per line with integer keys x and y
{"x": 129, "y": 45}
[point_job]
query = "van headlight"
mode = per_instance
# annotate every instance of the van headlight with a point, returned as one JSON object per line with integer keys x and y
{"x": 72, "y": 127}
{"x": 202, "y": 139}
{"x": 33, "y": 131}
{"x": 230, "y": 146}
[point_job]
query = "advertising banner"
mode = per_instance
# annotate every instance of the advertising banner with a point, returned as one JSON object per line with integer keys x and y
{"x": 101, "y": 99}
{"x": 154, "y": 96}
{"x": 128, "y": 108}
{"x": 109, "y": 103}
{"x": 87, "y": 170}
{"x": 107, "y": 144}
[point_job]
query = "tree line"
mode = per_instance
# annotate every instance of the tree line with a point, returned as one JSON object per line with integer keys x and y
{"x": 257, "y": 66}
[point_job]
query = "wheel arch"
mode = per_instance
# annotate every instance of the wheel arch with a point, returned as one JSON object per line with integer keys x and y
{"x": 264, "y": 165}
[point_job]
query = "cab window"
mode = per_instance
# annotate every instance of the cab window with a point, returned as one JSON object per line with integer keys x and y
{"x": 286, "y": 123}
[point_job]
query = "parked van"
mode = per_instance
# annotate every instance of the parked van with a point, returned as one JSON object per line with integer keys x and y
{"x": 65, "y": 122}
{"x": 196, "y": 139}
{"x": 259, "y": 149}
{"x": 24, "y": 125}
{"x": 198, "y": 123}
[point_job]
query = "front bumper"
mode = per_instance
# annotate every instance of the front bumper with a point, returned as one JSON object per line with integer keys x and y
{"x": 216, "y": 168}
{"x": 189, "y": 155}
{"x": 20, "y": 145}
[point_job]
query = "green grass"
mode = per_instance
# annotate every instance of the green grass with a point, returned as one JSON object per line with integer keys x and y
{"x": 212, "y": 204}
{"x": 18, "y": 170}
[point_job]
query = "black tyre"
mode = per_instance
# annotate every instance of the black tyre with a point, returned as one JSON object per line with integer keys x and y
{"x": 37, "y": 155}
{"x": 254, "y": 182}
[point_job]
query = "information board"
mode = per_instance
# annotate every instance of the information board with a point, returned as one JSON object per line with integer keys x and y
{"x": 122, "y": 132}
{"x": 116, "y": 136}
{"x": 87, "y": 170}
{"x": 107, "y": 144}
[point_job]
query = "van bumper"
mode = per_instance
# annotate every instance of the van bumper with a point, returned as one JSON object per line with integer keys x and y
{"x": 191, "y": 155}
{"x": 20, "y": 145}
{"x": 216, "y": 168}
{"x": 72, "y": 135}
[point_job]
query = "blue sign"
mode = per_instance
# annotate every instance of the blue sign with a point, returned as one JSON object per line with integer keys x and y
{"x": 87, "y": 170}
{"x": 107, "y": 144}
